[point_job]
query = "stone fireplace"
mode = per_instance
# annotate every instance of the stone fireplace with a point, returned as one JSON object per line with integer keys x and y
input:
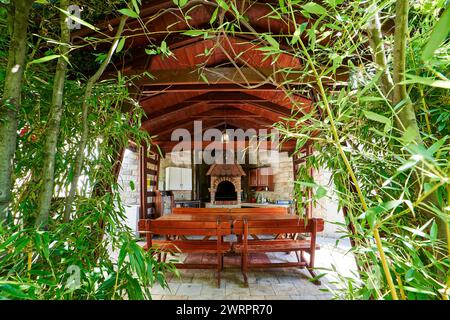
{"x": 225, "y": 184}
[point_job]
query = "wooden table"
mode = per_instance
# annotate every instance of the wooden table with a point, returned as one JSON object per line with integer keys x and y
{"x": 228, "y": 216}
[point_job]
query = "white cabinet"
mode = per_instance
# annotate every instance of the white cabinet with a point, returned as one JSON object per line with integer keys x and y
{"x": 186, "y": 179}
{"x": 178, "y": 178}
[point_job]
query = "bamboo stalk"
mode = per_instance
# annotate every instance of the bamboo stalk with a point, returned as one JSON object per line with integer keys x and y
{"x": 11, "y": 98}
{"x": 78, "y": 165}
{"x": 55, "y": 114}
{"x": 351, "y": 173}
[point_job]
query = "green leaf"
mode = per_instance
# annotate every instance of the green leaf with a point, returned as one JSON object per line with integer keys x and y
{"x": 437, "y": 145}
{"x": 120, "y": 44}
{"x": 379, "y": 118}
{"x": 214, "y": 16}
{"x": 128, "y": 12}
{"x": 438, "y": 35}
{"x": 45, "y": 59}
{"x": 135, "y": 5}
{"x": 407, "y": 165}
{"x": 194, "y": 33}
{"x": 298, "y": 32}
{"x": 314, "y": 8}
{"x": 321, "y": 192}
{"x": 223, "y": 4}
{"x": 272, "y": 41}
{"x": 180, "y": 3}
{"x": 434, "y": 231}
{"x": 418, "y": 290}
{"x": 164, "y": 47}
{"x": 371, "y": 217}
{"x": 427, "y": 81}
{"x": 409, "y": 135}
{"x": 282, "y": 6}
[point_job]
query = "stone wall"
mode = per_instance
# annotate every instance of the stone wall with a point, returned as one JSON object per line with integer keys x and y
{"x": 129, "y": 178}
{"x": 283, "y": 177}
{"x": 327, "y": 207}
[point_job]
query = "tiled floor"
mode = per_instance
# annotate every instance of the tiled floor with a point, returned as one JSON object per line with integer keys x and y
{"x": 270, "y": 284}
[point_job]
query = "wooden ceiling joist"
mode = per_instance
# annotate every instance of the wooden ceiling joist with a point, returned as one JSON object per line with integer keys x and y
{"x": 229, "y": 75}
{"x": 224, "y": 81}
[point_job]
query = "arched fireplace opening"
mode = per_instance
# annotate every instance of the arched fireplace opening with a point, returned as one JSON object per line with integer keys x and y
{"x": 226, "y": 191}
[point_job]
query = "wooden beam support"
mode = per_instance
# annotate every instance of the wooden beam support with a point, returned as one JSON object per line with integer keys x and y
{"x": 189, "y": 145}
{"x": 229, "y": 76}
{"x": 229, "y": 87}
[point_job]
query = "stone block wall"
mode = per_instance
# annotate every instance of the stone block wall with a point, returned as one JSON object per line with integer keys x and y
{"x": 283, "y": 177}
{"x": 327, "y": 207}
{"x": 128, "y": 176}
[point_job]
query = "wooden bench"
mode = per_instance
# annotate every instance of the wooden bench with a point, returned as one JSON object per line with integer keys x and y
{"x": 232, "y": 212}
{"x": 218, "y": 228}
{"x": 248, "y": 227}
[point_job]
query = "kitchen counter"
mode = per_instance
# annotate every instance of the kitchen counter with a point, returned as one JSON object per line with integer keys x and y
{"x": 263, "y": 205}
{"x": 248, "y": 205}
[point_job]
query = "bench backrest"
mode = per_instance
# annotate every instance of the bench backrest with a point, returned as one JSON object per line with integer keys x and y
{"x": 231, "y": 211}
{"x": 186, "y": 228}
{"x": 278, "y": 226}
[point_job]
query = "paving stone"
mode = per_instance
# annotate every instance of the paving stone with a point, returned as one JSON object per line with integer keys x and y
{"x": 236, "y": 289}
{"x": 261, "y": 290}
{"x": 284, "y": 288}
{"x": 232, "y": 297}
{"x": 267, "y": 278}
{"x": 281, "y": 297}
{"x": 303, "y": 297}
{"x": 245, "y": 297}
{"x": 208, "y": 297}
{"x": 176, "y": 297}
{"x": 324, "y": 296}
{"x": 171, "y": 290}
{"x": 269, "y": 284}
{"x": 189, "y": 289}
{"x": 212, "y": 290}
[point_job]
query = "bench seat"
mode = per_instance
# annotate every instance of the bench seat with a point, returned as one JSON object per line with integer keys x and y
{"x": 187, "y": 246}
{"x": 279, "y": 245}
{"x": 250, "y": 228}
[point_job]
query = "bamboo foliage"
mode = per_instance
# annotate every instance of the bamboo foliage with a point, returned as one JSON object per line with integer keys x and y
{"x": 384, "y": 135}
{"x": 41, "y": 256}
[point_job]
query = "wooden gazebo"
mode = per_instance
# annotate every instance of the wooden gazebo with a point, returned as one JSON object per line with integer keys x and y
{"x": 227, "y": 87}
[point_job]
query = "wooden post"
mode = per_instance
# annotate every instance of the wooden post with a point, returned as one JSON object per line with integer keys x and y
{"x": 143, "y": 181}
{"x": 309, "y": 208}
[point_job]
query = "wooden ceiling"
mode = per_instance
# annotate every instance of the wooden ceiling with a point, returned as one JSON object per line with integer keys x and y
{"x": 221, "y": 80}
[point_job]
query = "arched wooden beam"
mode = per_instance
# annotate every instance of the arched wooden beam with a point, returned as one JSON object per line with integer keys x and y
{"x": 200, "y": 13}
{"x": 229, "y": 76}
{"x": 207, "y": 101}
{"x": 168, "y": 146}
{"x": 265, "y": 109}
{"x": 188, "y": 124}
{"x": 222, "y": 49}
